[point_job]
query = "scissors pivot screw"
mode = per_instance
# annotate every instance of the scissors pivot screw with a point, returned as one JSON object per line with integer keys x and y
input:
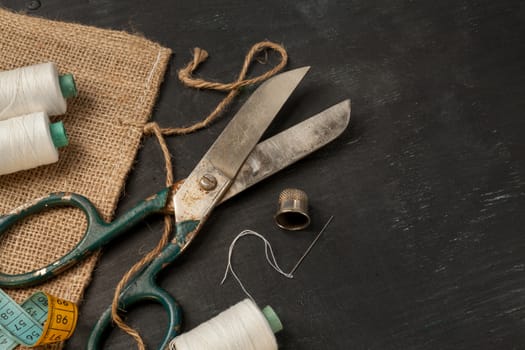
{"x": 208, "y": 182}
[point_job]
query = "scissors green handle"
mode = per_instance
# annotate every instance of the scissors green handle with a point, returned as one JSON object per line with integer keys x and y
{"x": 97, "y": 234}
{"x": 143, "y": 287}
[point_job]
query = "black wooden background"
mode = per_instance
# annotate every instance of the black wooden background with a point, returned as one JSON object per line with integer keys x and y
{"x": 427, "y": 186}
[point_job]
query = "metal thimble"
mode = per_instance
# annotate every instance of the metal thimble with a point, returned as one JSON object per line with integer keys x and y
{"x": 293, "y": 210}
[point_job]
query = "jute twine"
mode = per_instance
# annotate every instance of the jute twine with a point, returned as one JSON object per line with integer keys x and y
{"x": 152, "y": 128}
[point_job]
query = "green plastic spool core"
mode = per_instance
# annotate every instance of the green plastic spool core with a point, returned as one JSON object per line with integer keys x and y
{"x": 67, "y": 85}
{"x": 273, "y": 319}
{"x": 58, "y": 134}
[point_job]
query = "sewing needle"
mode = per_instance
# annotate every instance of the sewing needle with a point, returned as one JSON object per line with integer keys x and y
{"x": 311, "y": 245}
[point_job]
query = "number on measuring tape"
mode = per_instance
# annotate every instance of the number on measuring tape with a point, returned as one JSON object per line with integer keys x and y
{"x": 41, "y": 319}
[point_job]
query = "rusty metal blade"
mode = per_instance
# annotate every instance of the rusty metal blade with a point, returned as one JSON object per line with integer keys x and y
{"x": 239, "y": 138}
{"x": 289, "y": 146}
{"x": 222, "y": 162}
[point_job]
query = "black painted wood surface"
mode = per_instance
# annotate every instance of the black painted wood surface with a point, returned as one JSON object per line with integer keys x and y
{"x": 427, "y": 186}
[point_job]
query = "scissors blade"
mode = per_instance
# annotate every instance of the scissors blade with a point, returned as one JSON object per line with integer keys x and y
{"x": 217, "y": 169}
{"x": 236, "y": 142}
{"x": 291, "y": 145}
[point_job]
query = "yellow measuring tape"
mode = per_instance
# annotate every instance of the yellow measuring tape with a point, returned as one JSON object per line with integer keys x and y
{"x": 41, "y": 319}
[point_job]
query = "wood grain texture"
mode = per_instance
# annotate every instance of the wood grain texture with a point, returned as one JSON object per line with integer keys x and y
{"x": 427, "y": 187}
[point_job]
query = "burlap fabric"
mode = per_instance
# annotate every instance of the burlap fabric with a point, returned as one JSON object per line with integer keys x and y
{"x": 118, "y": 76}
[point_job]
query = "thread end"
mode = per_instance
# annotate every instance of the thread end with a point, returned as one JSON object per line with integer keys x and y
{"x": 58, "y": 134}
{"x": 68, "y": 87}
{"x": 273, "y": 320}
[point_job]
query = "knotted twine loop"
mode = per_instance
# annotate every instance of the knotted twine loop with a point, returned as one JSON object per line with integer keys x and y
{"x": 152, "y": 128}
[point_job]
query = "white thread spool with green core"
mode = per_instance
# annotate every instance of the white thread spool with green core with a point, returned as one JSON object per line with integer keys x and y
{"x": 29, "y": 141}
{"x": 273, "y": 319}
{"x": 68, "y": 87}
{"x": 241, "y": 327}
{"x": 36, "y": 88}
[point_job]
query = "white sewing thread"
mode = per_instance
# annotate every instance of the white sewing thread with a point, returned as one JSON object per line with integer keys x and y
{"x": 241, "y": 327}
{"x": 270, "y": 257}
{"x": 31, "y": 89}
{"x": 25, "y": 142}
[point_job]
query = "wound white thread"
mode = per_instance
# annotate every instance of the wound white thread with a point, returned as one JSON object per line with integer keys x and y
{"x": 31, "y": 89}
{"x": 270, "y": 258}
{"x": 241, "y": 327}
{"x": 25, "y": 142}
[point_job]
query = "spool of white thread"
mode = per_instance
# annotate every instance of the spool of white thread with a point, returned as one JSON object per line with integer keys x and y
{"x": 241, "y": 327}
{"x": 34, "y": 89}
{"x": 29, "y": 141}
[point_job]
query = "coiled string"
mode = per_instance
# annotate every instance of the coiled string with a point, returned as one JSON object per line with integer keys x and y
{"x": 241, "y": 327}
{"x": 25, "y": 143}
{"x": 152, "y": 128}
{"x": 31, "y": 89}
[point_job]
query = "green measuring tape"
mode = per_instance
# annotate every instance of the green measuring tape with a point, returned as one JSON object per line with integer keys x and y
{"x": 41, "y": 319}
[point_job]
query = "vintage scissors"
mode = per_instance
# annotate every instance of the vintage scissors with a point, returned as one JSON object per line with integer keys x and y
{"x": 233, "y": 163}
